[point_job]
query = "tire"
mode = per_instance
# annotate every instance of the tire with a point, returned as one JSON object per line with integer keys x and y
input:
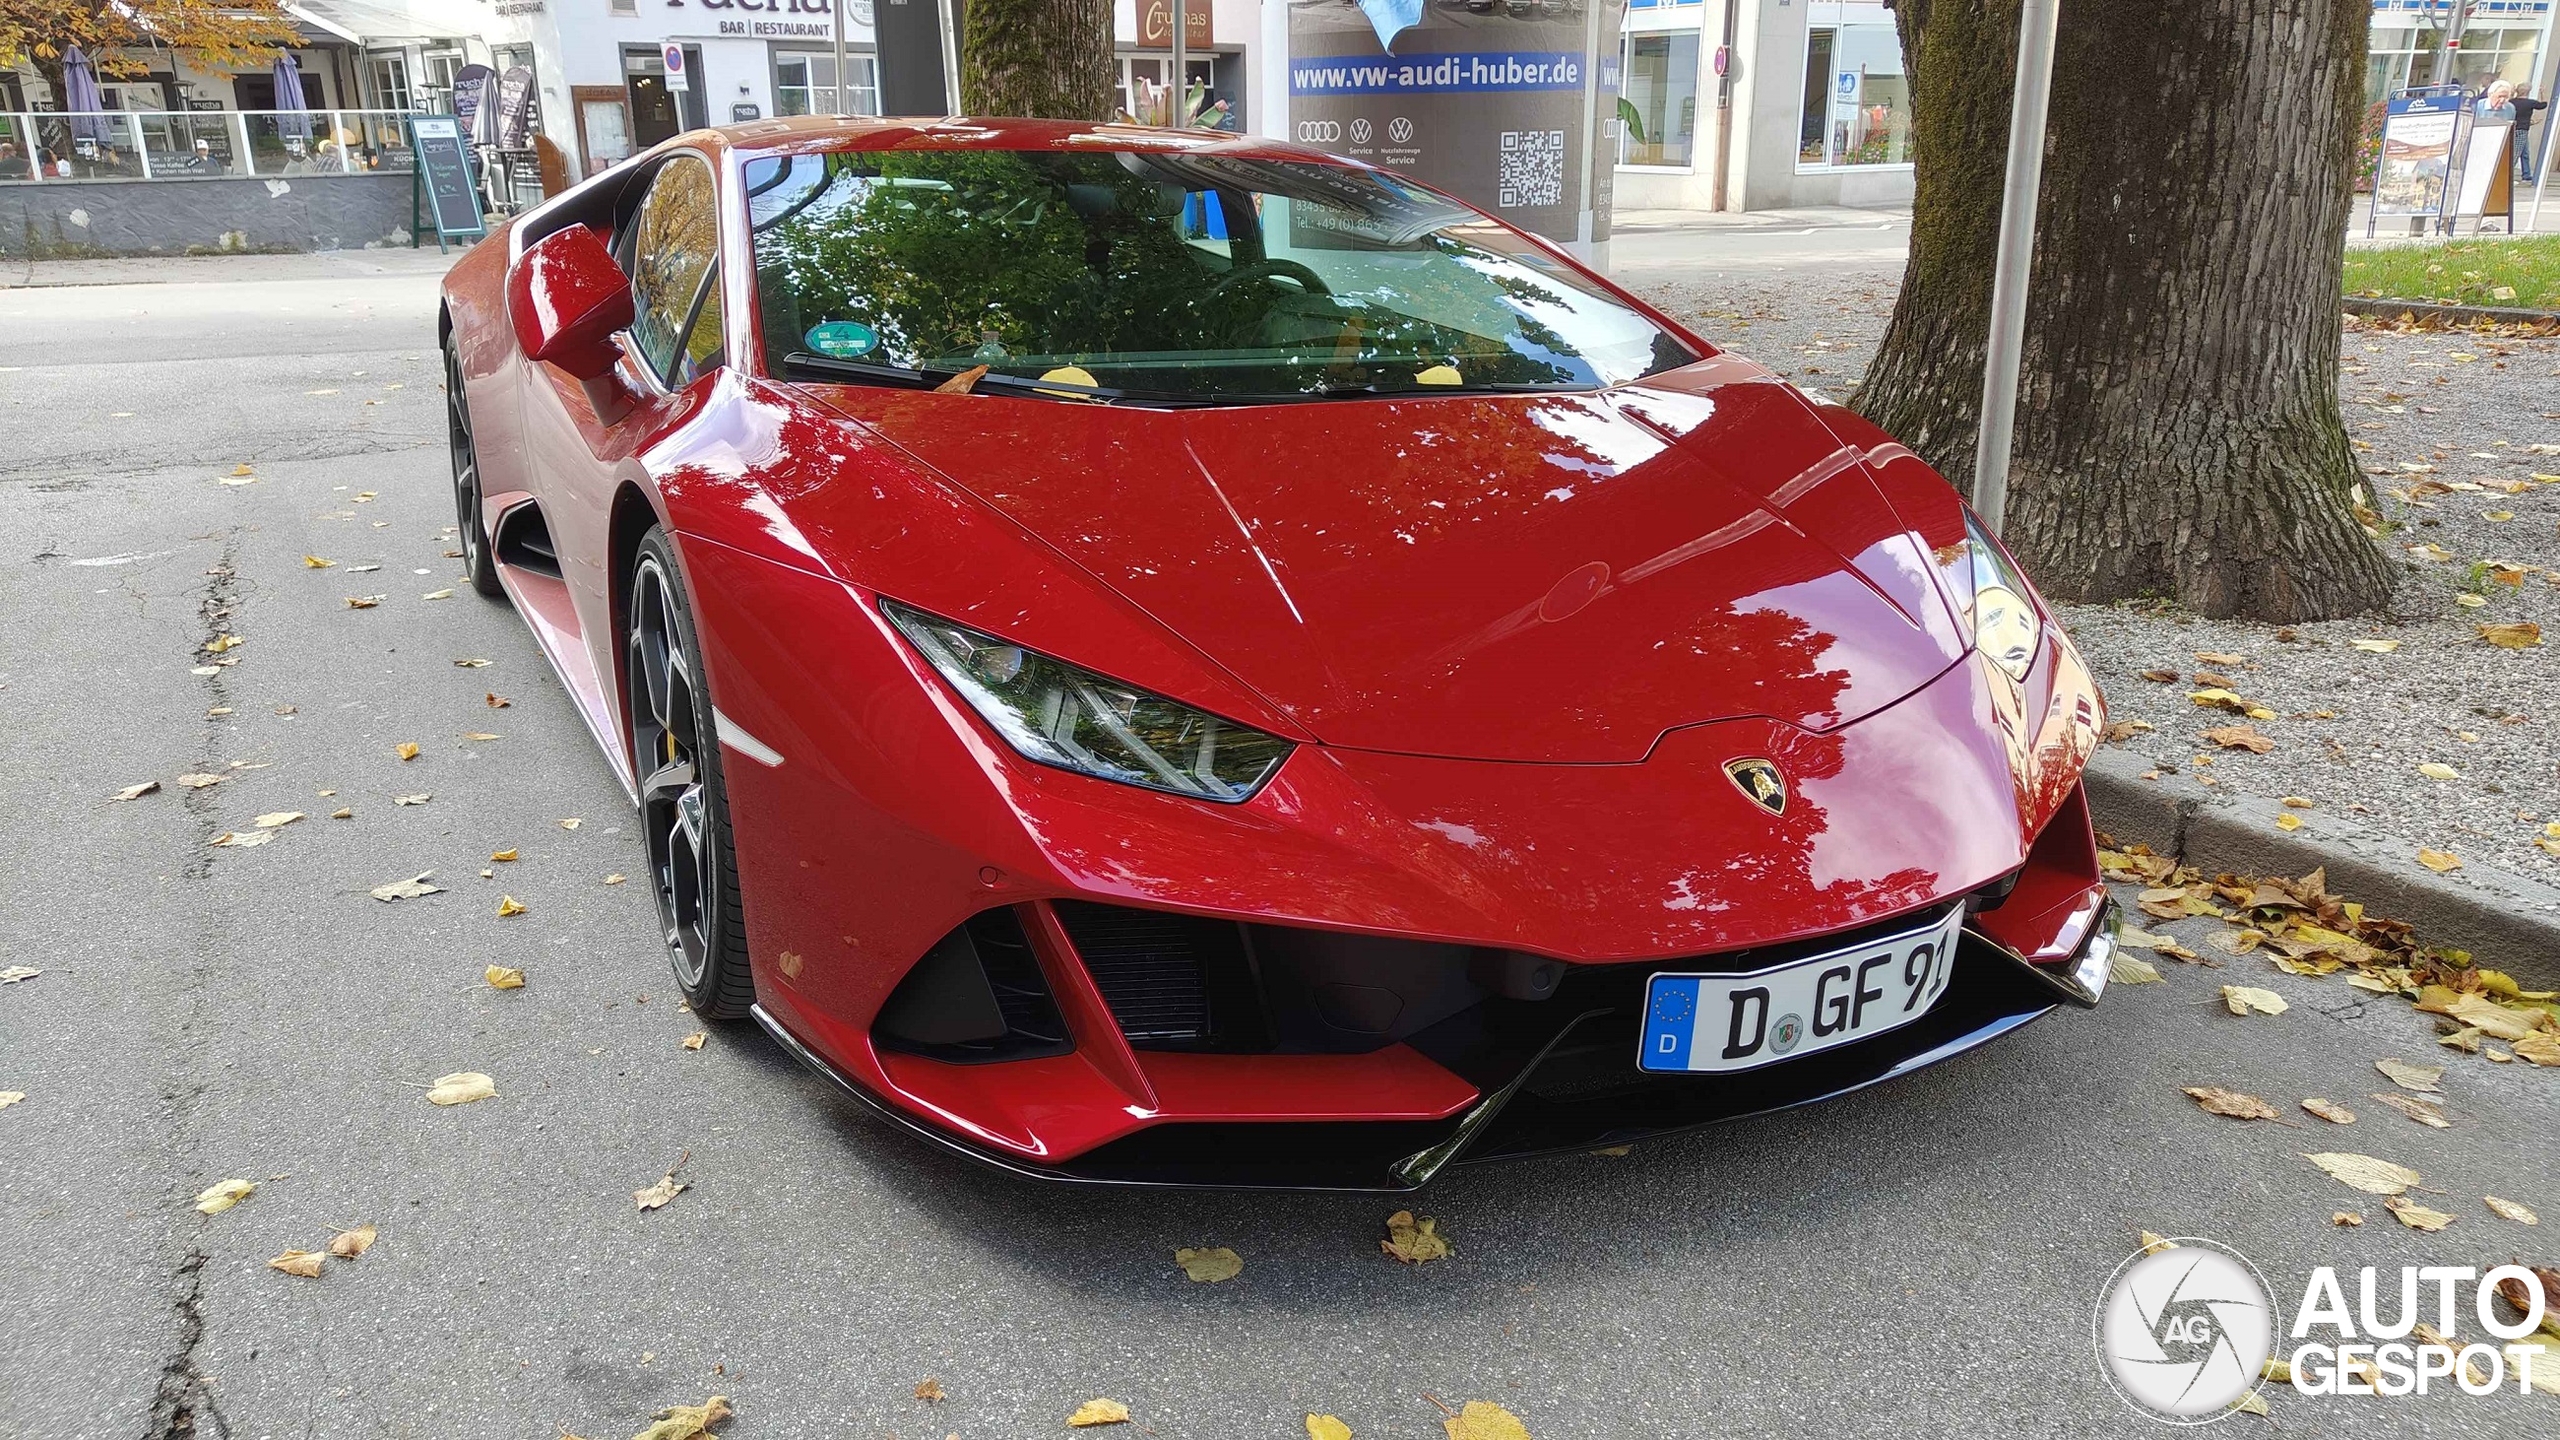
{"x": 684, "y": 809}
{"x": 477, "y": 563}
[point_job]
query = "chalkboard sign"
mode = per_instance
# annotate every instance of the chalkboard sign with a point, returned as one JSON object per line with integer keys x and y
{"x": 440, "y": 184}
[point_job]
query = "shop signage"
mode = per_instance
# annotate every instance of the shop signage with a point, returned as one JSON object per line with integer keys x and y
{"x": 515, "y": 107}
{"x": 440, "y": 189}
{"x": 470, "y": 93}
{"x": 780, "y": 29}
{"x": 2417, "y": 154}
{"x": 1155, "y": 25}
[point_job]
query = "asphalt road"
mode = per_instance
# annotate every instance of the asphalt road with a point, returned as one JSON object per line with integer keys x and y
{"x": 1921, "y": 1259}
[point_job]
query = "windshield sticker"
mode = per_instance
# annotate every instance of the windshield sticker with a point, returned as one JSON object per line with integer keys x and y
{"x": 842, "y": 339}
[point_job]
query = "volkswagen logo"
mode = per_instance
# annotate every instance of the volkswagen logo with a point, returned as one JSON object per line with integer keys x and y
{"x": 1320, "y": 131}
{"x": 1399, "y": 130}
{"x": 1360, "y": 131}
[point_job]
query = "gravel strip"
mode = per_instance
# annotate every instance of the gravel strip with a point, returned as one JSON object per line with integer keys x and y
{"x": 2453, "y": 429}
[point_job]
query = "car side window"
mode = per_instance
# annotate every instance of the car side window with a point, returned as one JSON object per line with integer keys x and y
{"x": 672, "y": 249}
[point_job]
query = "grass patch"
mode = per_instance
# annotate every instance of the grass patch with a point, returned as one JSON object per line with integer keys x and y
{"x": 2496, "y": 270}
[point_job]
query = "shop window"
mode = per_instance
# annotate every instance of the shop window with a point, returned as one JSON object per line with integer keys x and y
{"x": 1658, "y": 107}
{"x": 805, "y": 84}
{"x": 390, "y": 82}
{"x": 1857, "y": 101}
{"x": 1139, "y": 90}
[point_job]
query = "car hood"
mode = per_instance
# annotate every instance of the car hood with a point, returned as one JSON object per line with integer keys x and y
{"x": 1555, "y": 578}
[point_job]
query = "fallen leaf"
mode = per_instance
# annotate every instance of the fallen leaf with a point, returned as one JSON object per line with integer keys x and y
{"x": 407, "y": 750}
{"x": 2375, "y": 647}
{"x": 478, "y": 735}
{"x": 2244, "y": 998}
{"x": 136, "y": 792}
{"x": 1413, "y": 1241}
{"x": 350, "y": 1244}
{"x": 2431, "y": 1116}
{"x": 2519, "y": 635}
{"x": 461, "y": 1088}
{"x": 930, "y": 1389}
{"x": 276, "y": 820}
{"x": 503, "y": 977}
{"x": 2240, "y": 737}
{"x": 421, "y": 798}
{"x": 474, "y": 663}
{"x": 667, "y": 1188}
{"x": 2488, "y": 1016}
{"x": 2365, "y": 1173}
{"x": 437, "y": 595}
{"x": 199, "y": 781}
{"x": 503, "y": 855}
{"x": 316, "y": 563}
{"x": 305, "y": 1263}
{"x": 2252, "y": 1403}
{"x": 616, "y": 878}
{"x": 694, "y": 1040}
{"x": 1484, "y": 1420}
{"x": 220, "y": 643}
{"x": 2288, "y": 821}
{"x": 1208, "y": 1267}
{"x": 11, "y": 1097}
{"x": 962, "y": 384}
{"x": 409, "y": 889}
{"x": 571, "y": 824}
{"x": 509, "y": 905}
{"x": 496, "y": 701}
{"x": 18, "y": 974}
{"x": 684, "y": 1422}
{"x": 2330, "y": 1110}
{"x": 216, "y": 1198}
{"x": 2510, "y": 1210}
{"x": 2440, "y": 861}
{"x": 2123, "y": 969}
{"x": 2153, "y": 1242}
{"x": 2539, "y": 1048}
{"x": 1327, "y": 1427}
{"x": 241, "y": 839}
{"x": 2438, "y": 770}
{"x": 2217, "y": 1101}
{"x": 2410, "y": 1077}
{"x": 2415, "y": 1215}
{"x": 363, "y": 602}
{"x": 1096, "y": 1411}
{"x": 2345, "y": 1217}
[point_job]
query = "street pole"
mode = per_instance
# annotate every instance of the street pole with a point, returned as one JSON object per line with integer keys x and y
{"x": 1174, "y": 103}
{"x": 2036, "y": 25}
{"x": 843, "y": 90}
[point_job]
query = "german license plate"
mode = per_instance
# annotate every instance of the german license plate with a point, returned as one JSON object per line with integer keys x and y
{"x": 1699, "y": 1024}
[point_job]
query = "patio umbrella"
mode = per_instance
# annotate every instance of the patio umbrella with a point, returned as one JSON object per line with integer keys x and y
{"x": 80, "y": 96}
{"x": 296, "y": 126}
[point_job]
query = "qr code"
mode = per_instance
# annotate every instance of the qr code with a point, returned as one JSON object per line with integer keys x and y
{"x": 1532, "y": 168}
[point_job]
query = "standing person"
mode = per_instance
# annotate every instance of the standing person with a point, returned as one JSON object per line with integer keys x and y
{"x": 2495, "y": 103}
{"x": 2528, "y": 159}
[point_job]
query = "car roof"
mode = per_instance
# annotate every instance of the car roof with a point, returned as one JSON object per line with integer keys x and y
{"x": 808, "y": 134}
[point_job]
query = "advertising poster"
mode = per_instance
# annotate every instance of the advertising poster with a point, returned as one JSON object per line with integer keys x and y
{"x": 2417, "y": 154}
{"x": 471, "y": 99}
{"x": 515, "y": 108}
{"x": 1495, "y": 106}
{"x": 2487, "y": 164}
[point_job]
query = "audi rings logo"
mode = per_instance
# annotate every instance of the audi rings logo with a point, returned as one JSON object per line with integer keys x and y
{"x": 1320, "y": 132}
{"x": 2183, "y": 1333}
{"x": 1399, "y": 130}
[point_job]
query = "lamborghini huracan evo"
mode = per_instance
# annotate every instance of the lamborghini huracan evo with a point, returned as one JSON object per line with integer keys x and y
{"x": 1166, "y": 657}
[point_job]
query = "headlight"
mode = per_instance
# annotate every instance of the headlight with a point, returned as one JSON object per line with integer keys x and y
{"x": 1067, "y": 716}
{"x": 1992, "y": 596}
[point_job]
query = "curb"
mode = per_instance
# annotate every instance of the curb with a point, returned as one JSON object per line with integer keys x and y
{"x": 2504, "y": 920}
{"x": 2423, "y": 310}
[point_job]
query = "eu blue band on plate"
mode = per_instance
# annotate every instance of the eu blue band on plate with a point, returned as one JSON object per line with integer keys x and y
{"x": 1670, "y": 1022}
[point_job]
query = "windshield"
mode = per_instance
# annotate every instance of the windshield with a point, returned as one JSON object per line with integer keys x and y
{"x": 1165, "y": 276}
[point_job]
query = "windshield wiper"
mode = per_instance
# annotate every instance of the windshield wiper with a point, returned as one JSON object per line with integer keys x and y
{"x": 1350, "y": 390}
{"x": 828, "y": 367}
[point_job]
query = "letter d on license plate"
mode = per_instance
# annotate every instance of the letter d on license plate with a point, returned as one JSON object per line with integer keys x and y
{"x": 1715, "y": 1023}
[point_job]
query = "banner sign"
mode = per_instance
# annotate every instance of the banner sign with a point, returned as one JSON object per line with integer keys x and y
{"x": 1507, "y": 109}
{"x": 440, "y": 183}
{"x": 470, "y": 99}
{"x": 910, "y": 44}
{"x": 515, "y": 108}
{"x": 2417, "y": 154}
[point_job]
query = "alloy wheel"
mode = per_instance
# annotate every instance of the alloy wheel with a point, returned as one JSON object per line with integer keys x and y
{"x": 466, "y": 463}
{"x": 668, "y": 733}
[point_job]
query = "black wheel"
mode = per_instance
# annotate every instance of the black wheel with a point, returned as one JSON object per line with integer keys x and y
{"x": 684, "y": 813}
{"x": 466, "y": 480}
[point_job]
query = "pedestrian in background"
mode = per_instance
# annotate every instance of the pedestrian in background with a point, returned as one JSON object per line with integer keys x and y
{"x": 2528, "y": 159}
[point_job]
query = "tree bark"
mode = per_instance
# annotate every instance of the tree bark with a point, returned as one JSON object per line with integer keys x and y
{"x": 2178, "y": 428}
{"x": 1049, "y": 58}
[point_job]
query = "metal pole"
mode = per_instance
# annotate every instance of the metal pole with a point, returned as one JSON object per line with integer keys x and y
{"x": 843, "y": 90}
{"x": 1724, "y": 107}
{"x": 950, "y": 57}
{"x": 2037, "y": 22}
{"x": 1175, "y": 101}
{"x": 35, "y": 166}
{"x": 141, "y": 146}
{"x": 2542, "y": 177}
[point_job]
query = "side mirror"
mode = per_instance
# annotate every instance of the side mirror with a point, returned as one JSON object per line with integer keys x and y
{"x": 568, "y": 299}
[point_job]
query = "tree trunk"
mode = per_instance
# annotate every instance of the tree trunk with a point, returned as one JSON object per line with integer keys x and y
{"x": 2178, "y": 427}
{"x": 1048, "y": 58}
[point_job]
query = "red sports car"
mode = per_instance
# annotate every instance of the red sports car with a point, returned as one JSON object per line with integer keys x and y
{"x": 1166, "y": 657}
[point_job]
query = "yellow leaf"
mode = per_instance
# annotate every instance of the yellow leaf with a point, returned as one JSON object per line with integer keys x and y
{"x": 2244, "y": 998}
{"x": 1484, "y": 1420}
{"x": 220, "y": 643}
{"x": 2470, "y": 602}
{"x": 2540, "y": 1048}
{"x": 461, "y": 1088}
{"x": 220, "y": 1197}
{"x": 2375, "y": 647}
{"x": 509, "y": 905}
{"x": 2492, "y": 1018}
{"x": 1413, "y": 1241}
{"x": 616, "y": 878}
{"x": 571, "y": 824}
{"x": 2520, "y": 635}
{"x": 407, "y": 750}
{"x": 1208, "y": 1267}
{"x": 2288, "y": 821}
{"x": 503, "y": 977}
{"x": 2510, "y": 1210}
{"x": 2153, "y": 1242}
{"x": 2123, "y": 969}
{"x": 2440, "y": 861}
{"x": 2410, "y": 1077}
{"x": 2345, "y": 1217}
{"x": 2438, "y": 770}
{"x": 276, "y": 819}
{"x": 667, "y": 1188}
{"x": 1327, "y": 1427}
{"x": 2415, "y": 1215}
{"x": 2365, "y": 1173}
{"x": 11, "y": 1097}
{"x": 478, "y": 735}
{"x": 348, "y": 1244}
{"x": 694, "y": 1040}
{"x": 1097, "y": 1412}
{"x": 2330, "y": 1110}
{"x": 316, "y": 563}
{"x": 684, "y": 1422}
{"x": 305, "y": 1263}
{"x": 507, "y": 854}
